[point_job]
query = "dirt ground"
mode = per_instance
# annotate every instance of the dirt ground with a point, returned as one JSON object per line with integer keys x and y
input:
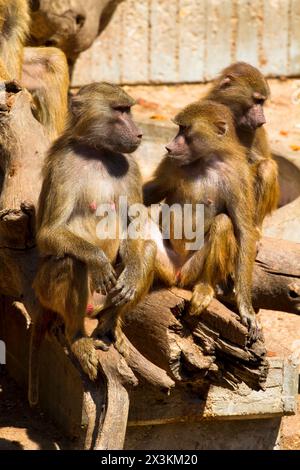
{"x": 22, "y": 428}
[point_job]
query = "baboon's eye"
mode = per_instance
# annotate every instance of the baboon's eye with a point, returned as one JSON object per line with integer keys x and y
{"x": 260, "y": 101}
{"x": 122, "y": 109}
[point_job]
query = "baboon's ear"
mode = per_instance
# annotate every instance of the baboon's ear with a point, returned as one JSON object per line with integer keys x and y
{"x": 75, "y": 105}
{"x": 225, "y": 82}
{"x": 222, "y": 128}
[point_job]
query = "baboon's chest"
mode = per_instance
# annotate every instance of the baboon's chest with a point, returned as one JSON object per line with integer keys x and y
{"x": 101, "y": 191}
{"x": 202, "y": 190}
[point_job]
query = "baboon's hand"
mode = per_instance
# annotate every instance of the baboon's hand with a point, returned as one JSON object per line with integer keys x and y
{"x": 103, "y": 279}
{"x": 125, "y": 289}
{"x": 248, "y": 319}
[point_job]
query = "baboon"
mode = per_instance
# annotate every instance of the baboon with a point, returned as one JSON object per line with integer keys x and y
{"x": 14, "y": 27}
{"x": 45, "y": 74}
{"x": 44, "y": 71}
{"x": 72, "y": 26}
{"x": 88, "y": 166}
{"x": 244, "y": 90}
{"x": 205, "y": 164}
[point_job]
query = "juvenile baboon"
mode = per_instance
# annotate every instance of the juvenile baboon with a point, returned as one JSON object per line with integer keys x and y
{"x": 206, "y": 165}
{"x": 88, "y": 166}
{"x": 244, "y": 90}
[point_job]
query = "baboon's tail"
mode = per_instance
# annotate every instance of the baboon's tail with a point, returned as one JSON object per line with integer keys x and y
{"x": 38, "y": 331}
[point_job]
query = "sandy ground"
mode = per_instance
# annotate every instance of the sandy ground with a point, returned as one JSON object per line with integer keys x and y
{"x": 22, "y": 428}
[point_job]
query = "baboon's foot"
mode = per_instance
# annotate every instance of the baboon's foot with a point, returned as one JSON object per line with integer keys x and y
{"x": 201, "y": 298}
{"x": 85, "y": 352}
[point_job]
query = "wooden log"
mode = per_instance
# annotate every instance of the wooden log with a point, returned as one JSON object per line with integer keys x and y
{"x": 62, "y": 390}
{"x": 276, "y": 277}
{"x": 213, "y": 347}
{"x": 219, "y": 403}
{"x": 23, "y": 145}
{"x": 106, "y": 403}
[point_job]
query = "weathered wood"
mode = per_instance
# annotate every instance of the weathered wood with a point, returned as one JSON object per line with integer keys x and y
{"x": 213, "y": 346}
{"x": 62, "y": 390}
{"x": 214, "y": 402}
{"x": 106, "y": 403}
{"x": 276, "y": 278}
{"x": 145, "y": 369}
{"x": 23, "y": 145}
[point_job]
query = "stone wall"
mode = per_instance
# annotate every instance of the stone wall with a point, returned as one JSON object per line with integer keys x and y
{"x": 177, "y": 41}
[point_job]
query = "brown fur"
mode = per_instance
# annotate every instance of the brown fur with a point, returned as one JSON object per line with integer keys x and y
{"x": 44, "y": 71}
{"x": 14, "y": 27}
{"x": 84, "y": 166}
{"x": 212, "y": 169}
{"x": 4, "y": 75}
{"x": 45, "y": 74}
{"x": 235, "y": 88}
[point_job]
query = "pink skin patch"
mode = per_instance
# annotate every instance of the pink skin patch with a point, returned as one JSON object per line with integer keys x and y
{"x": 178, "y": 275}
{"x": 93, "y": 206}
{"x": 89, "y": 309}
{"x": 113, "y": 206}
